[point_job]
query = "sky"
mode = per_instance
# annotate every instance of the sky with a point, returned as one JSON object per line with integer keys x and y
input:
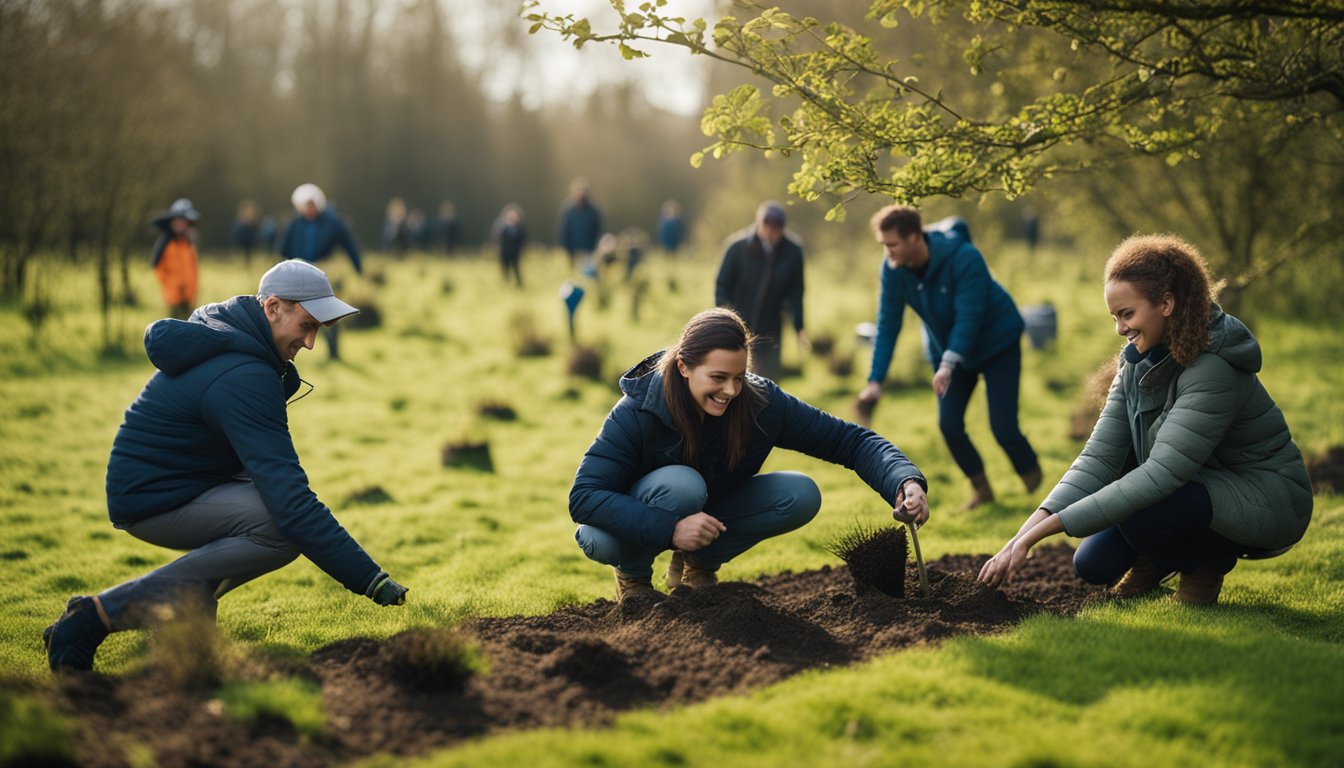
{"x": 553, "y": 71}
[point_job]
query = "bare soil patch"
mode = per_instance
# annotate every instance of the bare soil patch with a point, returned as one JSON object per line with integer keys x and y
{"x": 577, "y": 667}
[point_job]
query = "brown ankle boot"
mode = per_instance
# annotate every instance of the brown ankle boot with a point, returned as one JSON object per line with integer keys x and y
{"x": 1031, "y": 479}
{"x": 1143, "y": 578}
{"x": 627, "y": 586}
{"x": 695, "y": 577}
{"x": 982, "y": 493}
{"x": 674, "y": 569}
{"x": 1199, "y": 587}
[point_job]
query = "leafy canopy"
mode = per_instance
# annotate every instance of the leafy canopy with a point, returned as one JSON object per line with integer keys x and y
{"x": 1107, "y": 78}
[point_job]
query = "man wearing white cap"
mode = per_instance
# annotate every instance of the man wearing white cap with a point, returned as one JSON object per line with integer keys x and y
{"x": 313, "y": 235}
{"x": 204, "y": 462}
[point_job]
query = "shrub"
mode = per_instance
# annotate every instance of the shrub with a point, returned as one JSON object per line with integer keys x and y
{"x": 823, "y": 344}
{"x": 31, "y": 734}
{"x": 876, "y": 557}
{"x": 370, "y": 314}
{"x": 297, "y": 702}
{"x": 527, "y": 340}
{"x": 369, "y": 496}
{"x": 433, "y": 659}
{"x": 468, "y": 454}
{"x": 497, "y": 410}
{"x": 1093, "y": 397}
{"x": 585, "y": 362}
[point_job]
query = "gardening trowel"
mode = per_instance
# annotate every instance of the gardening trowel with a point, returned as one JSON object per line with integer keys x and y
{"x": 903, "y": 517}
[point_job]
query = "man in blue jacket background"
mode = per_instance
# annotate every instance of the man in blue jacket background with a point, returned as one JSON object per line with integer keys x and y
{"x": 972, "y": 328}
{"x": 313, "y": 235}
{"x": 204, "y": 462}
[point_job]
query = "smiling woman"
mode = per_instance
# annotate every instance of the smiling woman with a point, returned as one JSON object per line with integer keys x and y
{"x": 676, "y": 463}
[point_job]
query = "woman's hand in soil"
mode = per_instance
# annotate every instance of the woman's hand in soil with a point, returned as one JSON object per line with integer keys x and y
{"x": 912, "y": 504}
{"x": 696, "y": 531}
{"x": 999, "y": 569}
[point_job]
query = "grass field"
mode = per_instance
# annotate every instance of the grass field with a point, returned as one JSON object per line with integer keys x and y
{"x": 1258, "y": 680}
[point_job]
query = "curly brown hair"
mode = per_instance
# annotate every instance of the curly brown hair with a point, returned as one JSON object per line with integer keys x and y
{"x": 1159, "y": 264}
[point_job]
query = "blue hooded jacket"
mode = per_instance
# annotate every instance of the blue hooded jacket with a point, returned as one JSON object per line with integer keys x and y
{"x": 214, "y": 409}
{"x": 314, "y": 240}
{"x": 640, "y": 436}
{"x": 968, "y": 317}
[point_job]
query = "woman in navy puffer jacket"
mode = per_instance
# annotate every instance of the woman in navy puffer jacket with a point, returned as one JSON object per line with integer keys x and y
{"x": 675, "y": 465}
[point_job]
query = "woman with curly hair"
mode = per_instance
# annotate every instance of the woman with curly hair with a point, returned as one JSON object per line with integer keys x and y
{"x": 1191, "y": 464}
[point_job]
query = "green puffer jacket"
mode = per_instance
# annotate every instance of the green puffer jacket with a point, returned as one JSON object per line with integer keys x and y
{"x": 1212, "y": 423}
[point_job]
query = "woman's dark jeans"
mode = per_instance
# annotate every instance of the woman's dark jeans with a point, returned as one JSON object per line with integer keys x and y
{"x": 1174, "y": 534}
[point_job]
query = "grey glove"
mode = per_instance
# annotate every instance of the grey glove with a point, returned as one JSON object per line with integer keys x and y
{"x": 385, "y": 591}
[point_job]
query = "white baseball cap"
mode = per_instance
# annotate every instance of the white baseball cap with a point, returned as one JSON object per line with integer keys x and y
{"x": 297, "y": 280}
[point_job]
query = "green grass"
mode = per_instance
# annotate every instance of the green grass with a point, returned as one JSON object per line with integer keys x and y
{"x": 297, "y": 702}
{"x": 1255, "y": 681}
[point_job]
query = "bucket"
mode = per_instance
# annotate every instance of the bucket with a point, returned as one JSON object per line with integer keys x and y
{"x": 1042, "y": 325}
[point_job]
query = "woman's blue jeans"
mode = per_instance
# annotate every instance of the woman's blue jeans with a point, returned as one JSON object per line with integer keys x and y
{"x": 765, "y": 505}
{"x": 1003, "y": 374}
{"x": 1174, "y": 534}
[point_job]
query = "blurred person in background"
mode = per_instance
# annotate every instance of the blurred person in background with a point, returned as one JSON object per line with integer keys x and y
{"x": 511, "y": 237}
{"x": 761, "y": 277}
{"x": 313, "y": 235}
{"x": 677, "y": 462}
{"x": 174, "y": 258}
{"x": 204, "y": 462}
{"x": 1191, "y": 464}
{"x": 396, "y": 238}
{"x": 671, "y": 229}
{"x": 580, "y": 225}
{"x": 448, "y": 227}
{"x": 972, "y": 328}
{"x": 246, "y": 232}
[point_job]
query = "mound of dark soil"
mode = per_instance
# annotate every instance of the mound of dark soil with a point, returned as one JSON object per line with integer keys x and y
{"x": 576, "y": 667}
{"x": 1327, "y": 470}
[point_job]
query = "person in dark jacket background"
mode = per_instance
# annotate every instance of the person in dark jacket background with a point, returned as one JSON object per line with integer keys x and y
{"x": 675, "y": 465}
{"x": 580, "y": 224}
{"x": 313, "y": 235}
{"x": 511, "y": 236}
{"x": 204, "y": 462}
{"x": 971, "y": 328}
{"x": 761, "y": 277}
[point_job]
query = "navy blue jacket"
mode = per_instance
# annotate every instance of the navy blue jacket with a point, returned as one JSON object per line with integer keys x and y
{"x": 314, "y": 240}
{"x": 215, "y": 408}
{"x": 580, "y": 227}
{"x": 745, "y": 267}
{"x": 640, "y": 436}
{"x": 968, "y": 317}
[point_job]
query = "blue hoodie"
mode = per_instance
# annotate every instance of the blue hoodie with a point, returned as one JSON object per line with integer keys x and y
{"x": 215, "y": 408}
{"x": 314, "y": 240}
{"x": 968, "y": 317}
{"x": 640, "y": 436}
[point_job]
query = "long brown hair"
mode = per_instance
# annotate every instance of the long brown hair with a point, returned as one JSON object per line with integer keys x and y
{"x": 710, "y": 330}
{"x": 1157, "y": 264}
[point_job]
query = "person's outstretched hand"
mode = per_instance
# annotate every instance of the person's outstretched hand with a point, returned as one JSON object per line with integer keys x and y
{"x": 912, "y": 504}
{"x": 386, "y": 592}
{"x": 999, "y": 569}
{"x": 942, "y": 379}
{"x": 696, "y": 531}
{"x": 871, "y": 392}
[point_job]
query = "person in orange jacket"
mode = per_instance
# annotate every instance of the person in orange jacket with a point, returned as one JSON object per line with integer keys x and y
{"x": 174, "y": 258}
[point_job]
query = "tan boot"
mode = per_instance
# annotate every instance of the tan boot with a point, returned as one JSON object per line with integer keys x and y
{"x": 982, "y": 494}
{"x": 1143, "y": 578}
{"x": 1199, "y": 587}
{"x": 674, "y": 569}
{"x": 627, "y": 586}
{"x": 696, "y": 577}
{"x": 1031, "y": 479}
